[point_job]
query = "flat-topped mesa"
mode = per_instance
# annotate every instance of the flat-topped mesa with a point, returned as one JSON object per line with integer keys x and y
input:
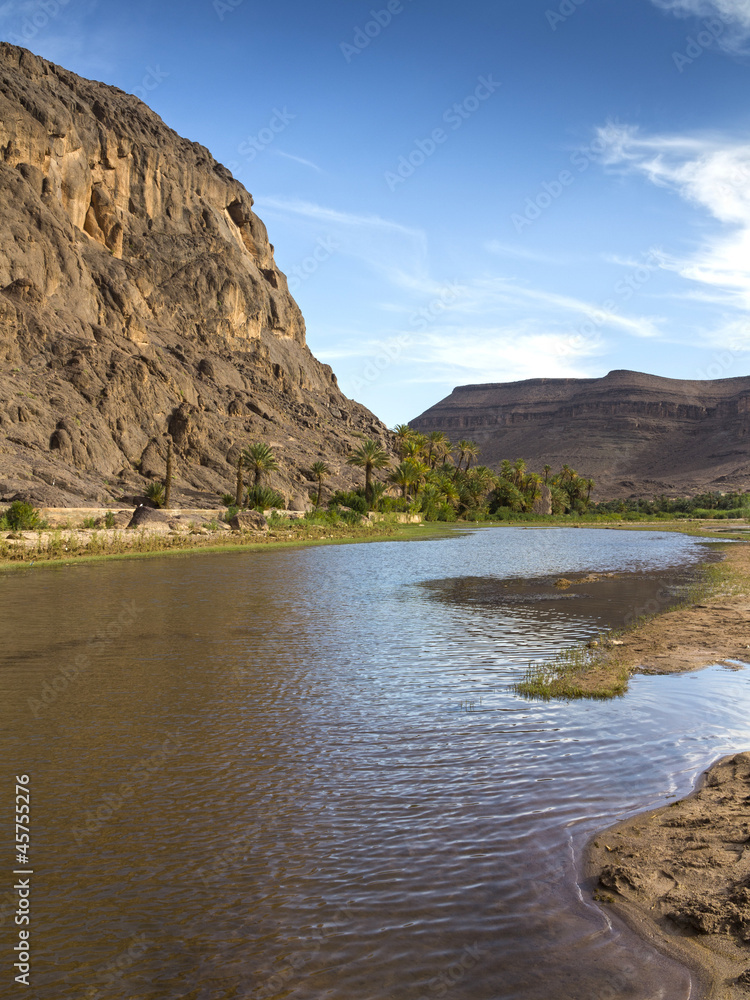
{"x": 633, "y": 433}
{"x": 139, "y": 296}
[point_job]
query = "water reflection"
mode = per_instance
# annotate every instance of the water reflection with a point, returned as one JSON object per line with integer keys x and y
{"x": 331, "y": 789}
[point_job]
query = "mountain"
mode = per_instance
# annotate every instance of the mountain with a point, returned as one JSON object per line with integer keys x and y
{"x": 140, "y": 299}
{"x": 634, "y": 434}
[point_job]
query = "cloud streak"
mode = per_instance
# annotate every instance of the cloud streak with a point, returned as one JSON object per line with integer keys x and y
{"x": 734, "y": 14}
{"x": 711, "y": 173}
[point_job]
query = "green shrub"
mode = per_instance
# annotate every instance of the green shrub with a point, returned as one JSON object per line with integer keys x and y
{"x": 155, "y": 493}
{"x": 22, "y": 516}
{"x": 89, "y": 522}
{"x": 263, "y": 498}
{"x": 355, "y": 501}
{"x": 350, "y": 516}
{"x": 230, "y": 511}
{"x": 228, "y": 500}
{"x": 109, "y": 519}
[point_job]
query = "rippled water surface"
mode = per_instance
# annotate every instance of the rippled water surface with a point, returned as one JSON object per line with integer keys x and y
{"x": 303, "y": 773}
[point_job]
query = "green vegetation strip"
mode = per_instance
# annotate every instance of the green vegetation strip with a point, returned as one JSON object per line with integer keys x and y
{"x": 62, "y": 547}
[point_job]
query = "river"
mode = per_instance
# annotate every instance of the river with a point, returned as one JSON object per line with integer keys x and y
{"x": 303, "y": 773}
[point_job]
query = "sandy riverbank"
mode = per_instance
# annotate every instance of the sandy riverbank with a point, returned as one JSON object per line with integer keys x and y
{"x": 680, "y": 877}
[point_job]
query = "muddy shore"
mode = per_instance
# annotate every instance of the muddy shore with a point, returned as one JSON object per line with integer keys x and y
{"x": 701, "y": 634}
{"x": 680, "y": 875}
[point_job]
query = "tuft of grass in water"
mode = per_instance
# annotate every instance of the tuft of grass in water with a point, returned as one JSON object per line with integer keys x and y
{"x": 583, "y": 671}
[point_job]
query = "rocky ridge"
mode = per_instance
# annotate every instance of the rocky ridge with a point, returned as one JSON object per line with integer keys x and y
{"x": 140, "y": 300}
{"x": 634, "y": 434}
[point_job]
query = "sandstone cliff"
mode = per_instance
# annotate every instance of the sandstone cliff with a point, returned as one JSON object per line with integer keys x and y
{"x": 635, "y": 434}
{"x": 139, "y": 297}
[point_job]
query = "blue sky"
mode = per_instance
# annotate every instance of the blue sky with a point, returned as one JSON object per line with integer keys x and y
{"x": 476, "y": 192}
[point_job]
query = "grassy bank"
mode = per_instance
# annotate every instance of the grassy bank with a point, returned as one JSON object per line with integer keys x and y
{"x": 708, "y": 625}
{"x": 65, "y": 547}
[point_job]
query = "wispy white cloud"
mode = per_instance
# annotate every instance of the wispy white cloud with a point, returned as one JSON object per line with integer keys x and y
{"x": 395, "y": 251}
{"x": 712, "y": 173}
{"x": 457, "y": 353}
{"x": 522, "y": 253}
{"x": 733, "y": 15}
{"x": 297, "y": 159}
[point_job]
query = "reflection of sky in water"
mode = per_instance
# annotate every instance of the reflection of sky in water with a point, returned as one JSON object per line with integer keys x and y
{"x": 358, "y": 804}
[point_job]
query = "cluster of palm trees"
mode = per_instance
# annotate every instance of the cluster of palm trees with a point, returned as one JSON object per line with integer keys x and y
{"x": 436, "y": 477}
{"x": 518, "y": 490}
{"x": 433, "y": 475}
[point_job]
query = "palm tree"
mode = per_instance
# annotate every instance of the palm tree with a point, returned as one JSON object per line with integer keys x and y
{"x": 403, "y": 477}
{"x": 320, "y": 470}
{"x": 437, "y": 445}
{"x": 461, "y": 448}
{"x": 519, "y": 467}
{"x": 547, "y": 470}
{"x": 421, "y": 472}
{"x": 403, "y": 433}
{"x": 471, "y": 451}
{"x": 369, "y": 456}
{"x": 259, "y": 459}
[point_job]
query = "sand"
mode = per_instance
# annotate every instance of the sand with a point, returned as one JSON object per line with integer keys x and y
{"x": 700, "y": 635}
{"x": 680, "y": 877}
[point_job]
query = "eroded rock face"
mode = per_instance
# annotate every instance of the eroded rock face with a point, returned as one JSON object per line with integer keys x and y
{"x": 635, "y": 434}
{"x": 139, "y": 297}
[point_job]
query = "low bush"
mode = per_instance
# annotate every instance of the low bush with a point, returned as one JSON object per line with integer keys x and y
{"x": 263, "y": 498}
{"x": 155, "y": 493}
{"x": 21, "y": 516}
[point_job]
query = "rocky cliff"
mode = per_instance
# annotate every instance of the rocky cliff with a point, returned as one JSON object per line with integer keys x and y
{"x": 633, "y": 433}
{"x": 139, "y": 298}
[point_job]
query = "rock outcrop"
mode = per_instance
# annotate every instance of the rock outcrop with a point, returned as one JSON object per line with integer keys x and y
{"x": 139, "y": 298}
{"x": 634, "y": 434}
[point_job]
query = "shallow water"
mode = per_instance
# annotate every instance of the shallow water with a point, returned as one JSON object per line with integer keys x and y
{"x": 303, "y": 773}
